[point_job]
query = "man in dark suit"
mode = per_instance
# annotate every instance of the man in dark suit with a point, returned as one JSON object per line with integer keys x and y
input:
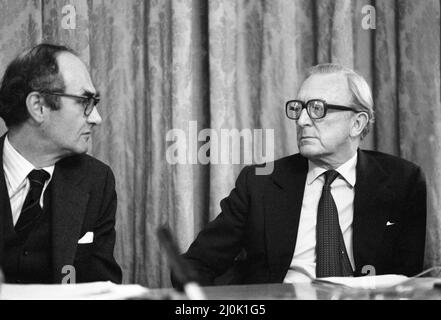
{"x": 331, "y": 210}
{"x": 57, "y": 204}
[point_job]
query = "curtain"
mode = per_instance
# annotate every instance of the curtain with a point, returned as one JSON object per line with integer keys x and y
{"x": 170, "y": 70}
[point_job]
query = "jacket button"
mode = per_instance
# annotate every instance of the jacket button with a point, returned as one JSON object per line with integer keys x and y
{"x": 26, "y": 253}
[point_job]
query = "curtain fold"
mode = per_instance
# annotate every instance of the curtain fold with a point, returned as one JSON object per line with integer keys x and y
{"x": 20, "y": 27}
{"x": 168, "y": 69}
{"x": 418, "y": 100}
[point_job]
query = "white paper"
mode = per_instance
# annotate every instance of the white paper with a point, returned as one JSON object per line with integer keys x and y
{"x": 368, "y": 282}
{"x": 82, "y": 291}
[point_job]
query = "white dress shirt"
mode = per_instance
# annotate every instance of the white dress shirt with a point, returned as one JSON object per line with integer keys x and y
{"x": 16, "y": 169}
{"x": 342, "y": 190}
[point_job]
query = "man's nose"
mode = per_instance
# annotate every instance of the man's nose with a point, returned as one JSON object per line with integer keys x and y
{"x": 304, "y": 119}
{"x": 94, "y": 117}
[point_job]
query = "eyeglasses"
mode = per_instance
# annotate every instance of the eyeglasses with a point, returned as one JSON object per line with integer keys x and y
{"x": 316, "y": 108}
{"x": 88, "y": 102}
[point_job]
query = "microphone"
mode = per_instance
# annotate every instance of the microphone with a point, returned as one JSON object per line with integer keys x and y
{"x": 178, "y": 265}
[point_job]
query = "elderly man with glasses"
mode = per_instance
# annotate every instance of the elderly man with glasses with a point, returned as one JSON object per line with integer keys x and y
{"x": 57, "y": 204}
{"x": 331, "y": 210}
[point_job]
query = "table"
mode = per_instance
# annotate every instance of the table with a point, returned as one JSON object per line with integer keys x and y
{"x": 416, "y": 289}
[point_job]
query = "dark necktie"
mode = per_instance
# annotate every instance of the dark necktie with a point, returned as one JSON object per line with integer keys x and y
{"x": 31, "y": 209}
{"x": 332, "y": 258}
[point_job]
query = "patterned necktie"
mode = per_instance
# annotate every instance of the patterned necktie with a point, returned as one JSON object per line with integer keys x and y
{"x": 31, "y": 209}
{"x": 332, "y": 257}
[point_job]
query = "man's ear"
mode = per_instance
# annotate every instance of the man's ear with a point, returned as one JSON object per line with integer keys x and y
{"x": 360, "y": 122}
{"x": 35, "y": 106}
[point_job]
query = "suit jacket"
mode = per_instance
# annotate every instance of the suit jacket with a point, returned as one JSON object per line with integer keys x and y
{"x": 261, "y": 215}
{"x": 83, "y": 200}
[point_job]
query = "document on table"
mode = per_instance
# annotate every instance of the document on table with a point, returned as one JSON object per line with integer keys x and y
{"x": 83, "y": 291}
{"x": 367, "y": 282}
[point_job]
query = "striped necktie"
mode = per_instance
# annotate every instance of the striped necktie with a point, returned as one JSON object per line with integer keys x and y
{"x": 31, "y": 209}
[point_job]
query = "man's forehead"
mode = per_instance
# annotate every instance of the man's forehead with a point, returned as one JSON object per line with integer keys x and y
{"x": 330, "y": 87}
{"x": 74, "y": 72}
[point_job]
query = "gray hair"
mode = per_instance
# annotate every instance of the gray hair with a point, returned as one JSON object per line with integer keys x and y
{"x": 361, "y": 92}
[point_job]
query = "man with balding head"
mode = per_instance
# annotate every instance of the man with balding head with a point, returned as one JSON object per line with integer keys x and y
{"x": 57, "y": 204}
{"x": 331, "y": 210}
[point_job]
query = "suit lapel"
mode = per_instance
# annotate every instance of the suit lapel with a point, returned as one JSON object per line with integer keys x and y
{"x": 69, "y": 204}
{"x": 372, "y": 197}
{"x": 4, "y": 199}
{"x": 283, "y": 203}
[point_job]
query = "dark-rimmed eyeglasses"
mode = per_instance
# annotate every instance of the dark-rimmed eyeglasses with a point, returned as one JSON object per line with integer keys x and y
{"x": 316, "y": 108}
{"x": 88, "y": 102}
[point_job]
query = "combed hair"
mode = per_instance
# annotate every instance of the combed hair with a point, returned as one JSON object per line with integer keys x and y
{"x": 361, "y": 92}
{"x": 34, "y": 70}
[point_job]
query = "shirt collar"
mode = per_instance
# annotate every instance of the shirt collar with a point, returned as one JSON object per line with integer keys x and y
{"x": 16, "y": 167}
{"x": 346, "y": 170}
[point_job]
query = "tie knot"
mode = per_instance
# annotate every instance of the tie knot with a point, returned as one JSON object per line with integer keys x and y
{"x": 38, "y": 177}
{"x": 330, "y": 176}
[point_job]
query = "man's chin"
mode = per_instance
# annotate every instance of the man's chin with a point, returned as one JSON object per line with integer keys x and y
{"x": 308, "y": 151}
{"x": 83, "y": 149}
{"x": 79, "y": 149}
